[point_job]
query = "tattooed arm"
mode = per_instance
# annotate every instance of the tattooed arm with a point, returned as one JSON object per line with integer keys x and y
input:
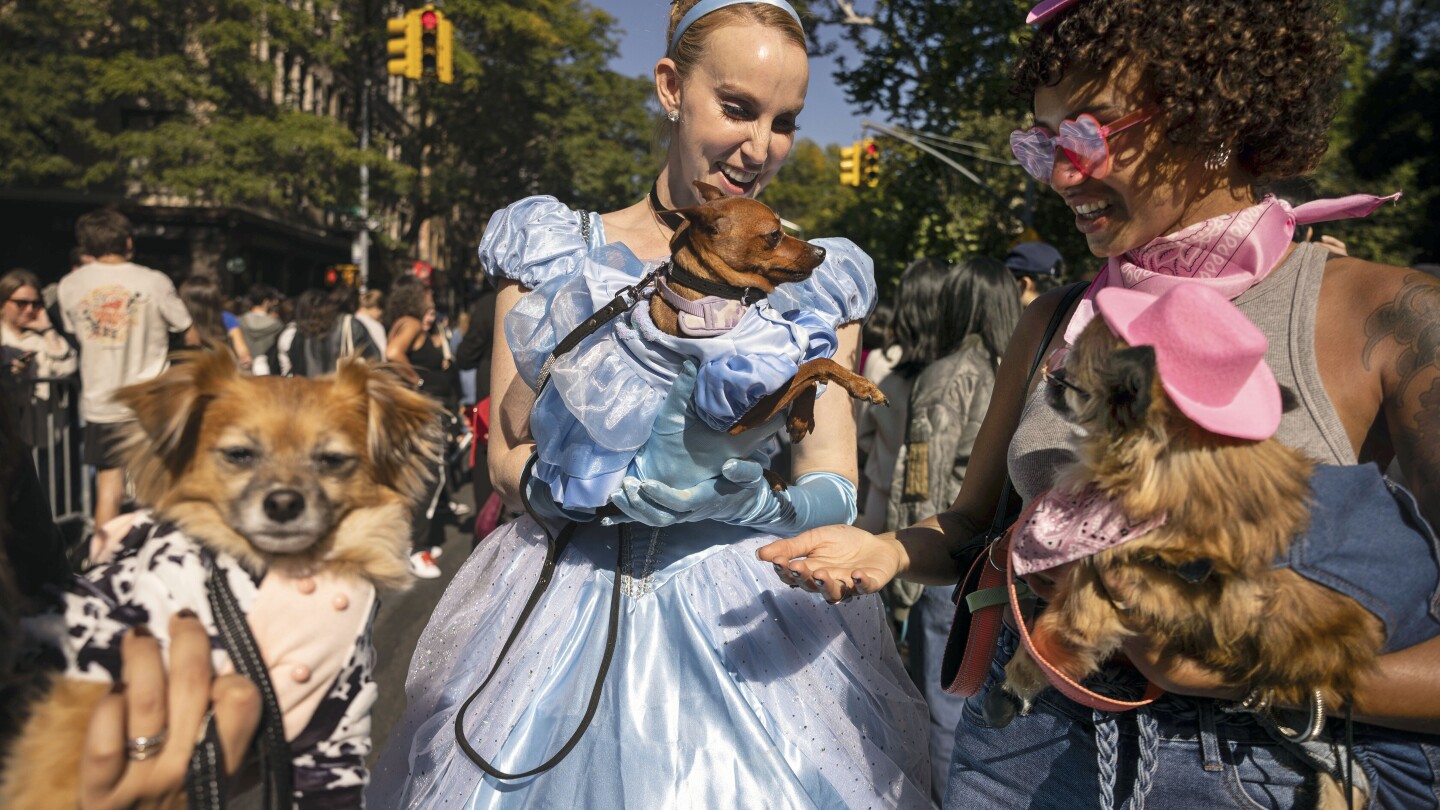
{"x": 1402, "y": 337}
{"x": 1402, "y": 345}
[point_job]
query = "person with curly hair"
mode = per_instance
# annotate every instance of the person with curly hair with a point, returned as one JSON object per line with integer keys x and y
{"x": 1160, "y": 126}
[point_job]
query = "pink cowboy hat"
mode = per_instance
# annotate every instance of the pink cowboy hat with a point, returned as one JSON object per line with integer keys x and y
{"x": 1211, "y": 358}
{"x": 1048, "y": 9}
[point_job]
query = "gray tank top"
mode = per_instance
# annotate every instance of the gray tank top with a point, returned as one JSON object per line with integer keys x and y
{"x": 1283, "y": 306}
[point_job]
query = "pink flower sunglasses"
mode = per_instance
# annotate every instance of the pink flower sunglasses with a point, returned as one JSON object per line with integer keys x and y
{"x": 1084, "y": 140}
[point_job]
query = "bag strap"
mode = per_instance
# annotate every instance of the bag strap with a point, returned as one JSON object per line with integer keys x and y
{"x": 1001, "y": 518}
{"x": 554, "y": 548}
{"x": 275, "y": 758}
{"x": 347, "y": 336}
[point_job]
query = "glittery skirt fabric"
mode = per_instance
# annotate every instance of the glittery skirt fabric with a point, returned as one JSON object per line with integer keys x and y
{"x": 727, "y": 688}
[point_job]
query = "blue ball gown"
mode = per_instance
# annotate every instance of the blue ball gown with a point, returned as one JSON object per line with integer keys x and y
{"x": 727, "y": 689}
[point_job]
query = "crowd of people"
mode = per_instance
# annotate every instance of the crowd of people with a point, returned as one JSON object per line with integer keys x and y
{"x": 729, "y": 643}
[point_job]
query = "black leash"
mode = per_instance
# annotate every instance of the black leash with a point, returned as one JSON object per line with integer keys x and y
{"x": 554, "y": 548}
{"x": 618, "y": 305}
{"x": 206, "y": 777}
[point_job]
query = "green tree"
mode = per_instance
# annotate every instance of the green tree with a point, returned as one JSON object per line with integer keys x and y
{"x": 169, "y": 97}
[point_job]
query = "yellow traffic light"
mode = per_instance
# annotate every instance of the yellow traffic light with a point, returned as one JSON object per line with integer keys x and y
{"x": 437, "y": 39}
{"x": 869, "y": 163}
{"x": 850, "y": 165}
{"x": 404, "y": 43}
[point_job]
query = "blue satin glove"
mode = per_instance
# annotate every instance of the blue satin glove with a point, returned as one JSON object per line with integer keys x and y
{"x": 688, "y": 471}
{"x": 741, "y": 496}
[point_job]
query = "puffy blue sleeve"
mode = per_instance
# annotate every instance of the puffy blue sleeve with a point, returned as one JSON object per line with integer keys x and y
{"x": 532, "y": 241}
{"x": 841, "y": 290}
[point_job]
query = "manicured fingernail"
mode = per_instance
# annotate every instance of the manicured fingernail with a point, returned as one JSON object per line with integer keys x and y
{"x": 820, "y": 583}
{"x": 142, "y": 631}
{"x": 778, "y": 569}
{"x": 187, "y": 613}
{"x": 793, "y": 574}
{"x": 859, "y": 585}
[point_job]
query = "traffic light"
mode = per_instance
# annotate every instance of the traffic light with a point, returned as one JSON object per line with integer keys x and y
{"x": 405, "y": 44}
{"x": 424, "y": 42}
{"x": 869, "y": 163}
{"x": 436, "y": 41}
{"x": 850, "y": 165}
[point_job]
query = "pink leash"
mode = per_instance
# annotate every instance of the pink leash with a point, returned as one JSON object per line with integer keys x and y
{"x": 1058, "y": 679}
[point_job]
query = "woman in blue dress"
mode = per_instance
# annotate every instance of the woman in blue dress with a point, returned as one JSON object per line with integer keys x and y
{"x": 724, "y": 688}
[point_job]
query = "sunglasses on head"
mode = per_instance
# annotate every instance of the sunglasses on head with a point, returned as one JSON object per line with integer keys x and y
{"x": 1084, "y": 140}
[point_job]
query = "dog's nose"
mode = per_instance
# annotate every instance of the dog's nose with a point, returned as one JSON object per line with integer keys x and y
{"x": 819, "y": 253}
{"x": 284, "y": 505}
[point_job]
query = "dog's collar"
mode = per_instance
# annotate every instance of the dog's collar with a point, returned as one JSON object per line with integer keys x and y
{"x": 706, "y": 317}
{"x": 672, "y": 220}
{"x": 745, "y": 295}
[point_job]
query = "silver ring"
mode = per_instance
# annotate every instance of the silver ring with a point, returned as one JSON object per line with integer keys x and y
{"x": 140, "y": 749}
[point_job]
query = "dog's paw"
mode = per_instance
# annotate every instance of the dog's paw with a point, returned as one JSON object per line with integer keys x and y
{"x": 800, "y": 425}
{"x": 1024, "y": 679}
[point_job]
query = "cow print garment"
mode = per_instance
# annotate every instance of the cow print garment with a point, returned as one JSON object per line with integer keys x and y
{"x": 158, "y": 571}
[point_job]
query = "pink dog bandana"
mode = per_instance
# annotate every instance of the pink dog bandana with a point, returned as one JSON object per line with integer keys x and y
{"x": 1229, "y": 253}
{"x": 1060, "y": 527}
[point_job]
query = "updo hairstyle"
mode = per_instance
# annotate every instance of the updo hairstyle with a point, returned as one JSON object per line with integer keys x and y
{"x": 1260, "y": 77}
{"x": 691, "y": 47}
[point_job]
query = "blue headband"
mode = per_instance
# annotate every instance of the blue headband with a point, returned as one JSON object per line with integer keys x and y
{"x": 706, "y": 6}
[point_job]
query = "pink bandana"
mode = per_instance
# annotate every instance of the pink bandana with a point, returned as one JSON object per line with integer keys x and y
{"x": 1230, "y": 253}
{"x": 1060, "y": 527}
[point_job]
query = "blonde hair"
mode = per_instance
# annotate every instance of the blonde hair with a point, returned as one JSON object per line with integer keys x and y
{"x": 691, "y": 47}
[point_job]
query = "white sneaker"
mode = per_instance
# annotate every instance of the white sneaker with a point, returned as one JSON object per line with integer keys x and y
{"x": 436, "y": 552}
{"x": 422, "y": 565}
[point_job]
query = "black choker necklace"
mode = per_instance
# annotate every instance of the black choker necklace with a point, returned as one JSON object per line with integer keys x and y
{"x": 672, "y": 220}
{"x": 704, "y": 286}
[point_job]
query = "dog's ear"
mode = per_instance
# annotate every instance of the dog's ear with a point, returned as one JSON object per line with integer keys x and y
{"x": 1128, "y": 379}
{"x": 168, "y": 408}
{"x": 403, "y": 430}
{"x": 708, "y": 193}
{"x": 702, "y": 217}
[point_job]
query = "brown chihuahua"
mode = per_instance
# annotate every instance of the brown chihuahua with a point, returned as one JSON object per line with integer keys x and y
{"x": 738, "y": 243}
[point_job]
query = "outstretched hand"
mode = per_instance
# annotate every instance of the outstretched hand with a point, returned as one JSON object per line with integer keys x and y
{"x": 838, "y": 562}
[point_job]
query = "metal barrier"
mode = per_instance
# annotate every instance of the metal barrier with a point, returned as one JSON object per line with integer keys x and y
{"x": 50, "y": 426}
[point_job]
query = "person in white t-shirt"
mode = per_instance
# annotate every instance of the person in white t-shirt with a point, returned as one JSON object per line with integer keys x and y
{"x": 121, "y": 314}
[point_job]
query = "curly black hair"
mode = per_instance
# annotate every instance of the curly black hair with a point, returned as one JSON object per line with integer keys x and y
{"x": 1262, "y": 77}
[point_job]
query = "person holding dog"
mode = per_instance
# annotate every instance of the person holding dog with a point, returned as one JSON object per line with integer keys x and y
{"x": 1160, "y": 127}
{"x": 723, "y": 690}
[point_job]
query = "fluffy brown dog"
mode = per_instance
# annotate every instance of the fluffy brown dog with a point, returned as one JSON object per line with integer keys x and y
{"x": 739, "y": 242}
{"x": 290, "y": 476}
{"x": 1200, "y": 586}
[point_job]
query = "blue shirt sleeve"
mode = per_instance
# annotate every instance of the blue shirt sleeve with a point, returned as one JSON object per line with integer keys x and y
{"x": 229, "y": 320}
{"x": 532, "y": 241}
{"x": 841, "y": 290}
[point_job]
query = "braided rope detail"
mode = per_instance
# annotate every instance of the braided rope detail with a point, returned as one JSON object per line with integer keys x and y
{"x": 1107, "y": 755}
{"x": 1149, "y": 758}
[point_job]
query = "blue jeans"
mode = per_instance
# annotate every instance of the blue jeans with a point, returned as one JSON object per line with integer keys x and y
{"x": 1205, "y": 758}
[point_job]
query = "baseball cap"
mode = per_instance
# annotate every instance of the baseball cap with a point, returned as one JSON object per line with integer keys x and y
{"x": 1035, "y": 259}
